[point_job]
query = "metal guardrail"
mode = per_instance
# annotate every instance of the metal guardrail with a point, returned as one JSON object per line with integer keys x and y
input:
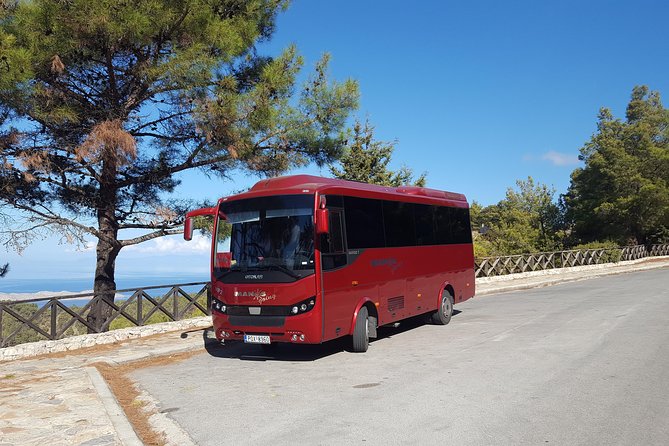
{"x": 52, "y": 318}
{"x": 498, "y": 266}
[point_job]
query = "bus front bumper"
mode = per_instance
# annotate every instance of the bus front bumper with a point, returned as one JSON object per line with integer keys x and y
{"x": 300, "y": 329}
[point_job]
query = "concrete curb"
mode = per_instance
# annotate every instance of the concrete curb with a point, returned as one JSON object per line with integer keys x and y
{"x": 163, "y": 351}
{"x": 175, "y": 435}
{"x": 31, "y": 349}
{"x": 122, "y": 426}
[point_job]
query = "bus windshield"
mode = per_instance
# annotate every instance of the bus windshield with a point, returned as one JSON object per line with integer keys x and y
{"x": 271, "y": 239}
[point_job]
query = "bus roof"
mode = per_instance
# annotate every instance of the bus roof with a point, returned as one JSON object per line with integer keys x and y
{"x": 296, "y": 184}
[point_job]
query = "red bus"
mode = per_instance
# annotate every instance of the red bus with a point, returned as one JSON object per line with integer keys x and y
{"x": 312, "y": 259}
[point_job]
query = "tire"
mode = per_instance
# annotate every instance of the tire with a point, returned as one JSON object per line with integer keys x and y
{"x": 443, "y": 314}
{"x": 361, "y": 331}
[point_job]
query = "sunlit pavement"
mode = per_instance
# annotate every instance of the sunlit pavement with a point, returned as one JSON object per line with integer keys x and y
{"x": 579, "y": 363}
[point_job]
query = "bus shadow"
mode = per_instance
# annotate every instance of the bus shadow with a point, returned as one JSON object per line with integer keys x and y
{"x": 388, "y": 331}
{"x": 275, "y": 352}
{"x": 296, "y": 352}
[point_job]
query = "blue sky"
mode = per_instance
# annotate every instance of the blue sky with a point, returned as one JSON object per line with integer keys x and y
{"x": 477, "y": 94}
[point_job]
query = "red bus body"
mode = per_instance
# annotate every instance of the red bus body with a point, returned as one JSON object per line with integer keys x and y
{"x": 392, "y": 282}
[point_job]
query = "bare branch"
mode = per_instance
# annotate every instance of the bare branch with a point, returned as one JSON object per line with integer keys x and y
{"x": 150, "y": 236}
{"x": 150, "y": 225}
{"x": 21, "y": 236}
{"x": 164, "y": 137}
{"x": 157, "y": 121}
{"x": 51, "y": 218}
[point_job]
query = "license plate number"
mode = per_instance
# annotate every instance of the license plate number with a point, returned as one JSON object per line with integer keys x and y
{"x": 256, "y": 339}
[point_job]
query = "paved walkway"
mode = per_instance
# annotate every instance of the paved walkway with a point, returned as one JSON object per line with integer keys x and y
{"x": 60, "y": 399}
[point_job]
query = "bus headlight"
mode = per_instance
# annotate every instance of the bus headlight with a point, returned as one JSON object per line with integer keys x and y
{"x": 218, "y": 305}
{"x": 304, "y": 306}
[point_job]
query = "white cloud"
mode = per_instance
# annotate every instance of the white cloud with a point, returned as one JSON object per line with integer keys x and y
{"x": 87, "y": 246}
{"x": 173, "y": 245}
{"x": 560, "y": 159}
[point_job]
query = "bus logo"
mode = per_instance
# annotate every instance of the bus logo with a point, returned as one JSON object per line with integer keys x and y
{"x": 259, "y": 296}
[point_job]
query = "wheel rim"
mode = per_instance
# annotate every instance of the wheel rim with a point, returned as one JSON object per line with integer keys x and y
{"x": 367, "y": 330}
{"x": 446, "y": 305}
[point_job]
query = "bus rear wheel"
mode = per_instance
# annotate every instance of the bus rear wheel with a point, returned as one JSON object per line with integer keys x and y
{"x": 361, "y": 331}
{"x": 443, "y": 314}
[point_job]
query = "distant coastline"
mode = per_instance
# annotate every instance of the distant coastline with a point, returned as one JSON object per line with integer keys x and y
{"x": 24, "y": 289}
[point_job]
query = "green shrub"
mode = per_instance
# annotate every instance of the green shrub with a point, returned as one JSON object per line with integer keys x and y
{"x": 612, "y": 253}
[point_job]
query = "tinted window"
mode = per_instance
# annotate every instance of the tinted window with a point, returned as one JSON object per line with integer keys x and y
{"x": 399, "y": 224}
{"x": 452, "y": 225}
{"x": 424, "y": 218}
{"x": 332, "y": 244}
{"x": 364, "y": 223}
{"x": 334, "y": 201}
{"x": 460, "y": 227}
{"x": 442, "y": 225}
{"x": 377, "y": 224}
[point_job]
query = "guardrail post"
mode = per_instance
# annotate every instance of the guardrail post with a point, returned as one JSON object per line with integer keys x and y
{"x": 175, "y": 305}
{"x": 140, "y": 311}
{"x": 54, "y": 319}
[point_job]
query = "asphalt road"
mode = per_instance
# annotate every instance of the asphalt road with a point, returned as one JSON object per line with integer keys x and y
{"x": 579, "y": 363}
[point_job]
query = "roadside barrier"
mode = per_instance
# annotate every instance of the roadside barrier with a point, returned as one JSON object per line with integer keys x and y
{"x": 56, "y": 317}
{"x": 498, "y": 266}
{"x": 51, "y": 318}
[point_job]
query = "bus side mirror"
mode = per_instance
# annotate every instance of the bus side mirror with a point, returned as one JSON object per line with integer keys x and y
{"x": 188, "y": 229}
{"x": 188, "y": 221}
{"x": 322, "y": 221}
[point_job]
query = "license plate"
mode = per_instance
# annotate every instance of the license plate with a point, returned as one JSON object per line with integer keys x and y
{"x": 256, "y": 339}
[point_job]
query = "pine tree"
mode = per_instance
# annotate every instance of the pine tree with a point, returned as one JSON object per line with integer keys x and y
{"x": 366, "y": 160}
{"x": 104, "y": 102}
{"x": 622, "y": 192}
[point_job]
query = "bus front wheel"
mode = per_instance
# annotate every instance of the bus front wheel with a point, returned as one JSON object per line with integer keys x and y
{"x": 443, "y": 314}
{"x": 361, "y": 331}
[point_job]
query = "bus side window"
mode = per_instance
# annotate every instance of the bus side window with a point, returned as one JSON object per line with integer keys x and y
{"x": 333, "y": 254}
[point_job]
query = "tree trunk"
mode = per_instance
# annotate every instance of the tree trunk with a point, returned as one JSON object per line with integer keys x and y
{"x": 104, "y": 286}
{"x": 107, "y": 250}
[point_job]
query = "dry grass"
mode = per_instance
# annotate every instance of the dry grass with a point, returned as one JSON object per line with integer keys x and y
{"x": 127, "y": 394}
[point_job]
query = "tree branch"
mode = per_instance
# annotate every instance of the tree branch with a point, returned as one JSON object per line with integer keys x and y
{"x": 161, "y": 226}
{"x": 150, "y": 236}
{"x": 164, "y": 137}
{"x": 187, "y": 164}
{"x": 51, "y": 218}
{"x": 157, "y": 121}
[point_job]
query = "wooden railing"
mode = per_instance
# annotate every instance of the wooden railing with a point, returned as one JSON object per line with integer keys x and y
{"x": 498, "y": 266}
{"x": 56, "y": 317}
{"x": 61, "y": 316}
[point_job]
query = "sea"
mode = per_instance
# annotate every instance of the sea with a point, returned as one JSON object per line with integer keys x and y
{"x": 15, "y": 289}
{"x": 35, "y": 285}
